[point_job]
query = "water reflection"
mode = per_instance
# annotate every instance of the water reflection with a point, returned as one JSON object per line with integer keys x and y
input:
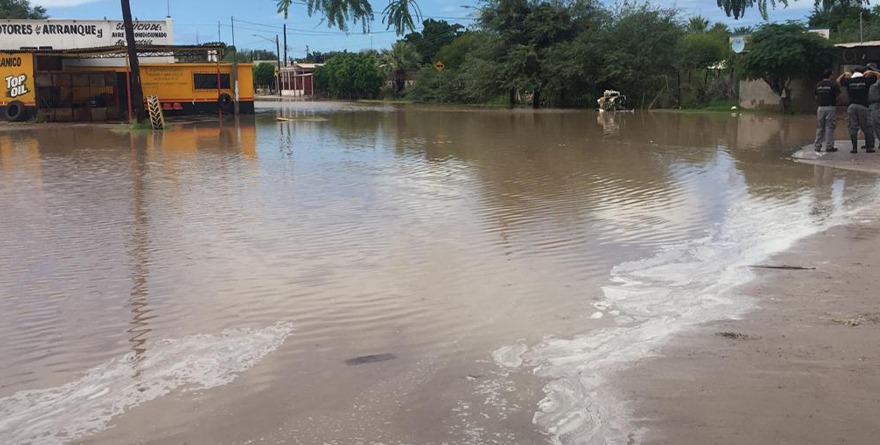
{"x": 609, "y": 124}
{"x": 433, "y": 234}
{"x": 138, "y": 253}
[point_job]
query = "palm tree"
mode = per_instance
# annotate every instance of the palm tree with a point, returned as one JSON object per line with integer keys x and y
{"x": 398, "y": 62}
{"x": 737, "y": 8}
{"x": 697, "y": 24}
{"x": 398, "y": 13}
{"x": 720, "y": 28}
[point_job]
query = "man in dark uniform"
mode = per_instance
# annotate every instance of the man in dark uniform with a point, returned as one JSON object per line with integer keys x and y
{"x": 826, "y": 114}
{"x": 857, "y": 84}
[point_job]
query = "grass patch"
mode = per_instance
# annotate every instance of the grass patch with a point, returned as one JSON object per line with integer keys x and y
{"x": 720, "y": 105}
{"x": 134, "y": 127}
{"x": 385, "y": 101}
{"x": 302, "y": 119}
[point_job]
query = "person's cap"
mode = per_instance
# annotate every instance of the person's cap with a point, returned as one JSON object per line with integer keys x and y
{"x": 872, "y": 66}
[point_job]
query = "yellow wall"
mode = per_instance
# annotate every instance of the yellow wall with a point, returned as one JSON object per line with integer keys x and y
{"x": 17, "y": 78}
{"x": 174, "y": 81}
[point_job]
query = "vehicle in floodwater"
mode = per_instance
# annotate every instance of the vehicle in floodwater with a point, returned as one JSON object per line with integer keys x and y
{"x": 612, "y": 100}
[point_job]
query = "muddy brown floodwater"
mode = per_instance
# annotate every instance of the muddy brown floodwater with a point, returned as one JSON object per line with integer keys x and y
{"x": 360, "y": 274}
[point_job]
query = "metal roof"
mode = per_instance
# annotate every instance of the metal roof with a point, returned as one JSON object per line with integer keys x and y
{"x": 858, "y": 44}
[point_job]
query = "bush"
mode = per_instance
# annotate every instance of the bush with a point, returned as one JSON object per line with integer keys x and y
{"x": 349, "y": 76}
{"x": 264, "y": 75}
{"x": 432, "y": 86}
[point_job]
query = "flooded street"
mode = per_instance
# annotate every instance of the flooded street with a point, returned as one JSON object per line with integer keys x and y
{"x": 359, "y": 274}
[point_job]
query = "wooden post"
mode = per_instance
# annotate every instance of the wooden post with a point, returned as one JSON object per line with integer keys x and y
{"x": 278, "y": 76}
{"x": 233, "y": 73}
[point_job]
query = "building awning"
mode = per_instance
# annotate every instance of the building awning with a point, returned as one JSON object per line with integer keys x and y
{"x": 121, "y": 51}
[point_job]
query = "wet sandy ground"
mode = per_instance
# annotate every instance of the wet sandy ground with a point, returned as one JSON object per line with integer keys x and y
{"x": 842, "y": 159}
{"x": 801, "y": 368}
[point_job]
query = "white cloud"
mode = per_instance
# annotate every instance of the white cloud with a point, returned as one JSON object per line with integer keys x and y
{"x": 62, "y": 3}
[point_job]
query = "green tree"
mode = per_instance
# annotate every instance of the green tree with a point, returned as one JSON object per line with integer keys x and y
{"x": 438, "y": 87}
{"x": 697, "y": 24}
{"x": 806, "y": 54}
{"x": 698, "y": 52}
{"x": 526, "y": 34}
{"x": 648, "y": 35}
{"x": 454, "y": 54}
{"x": 400, "y": 14}
{"x": 737, "y": 8}
{"x": 264, "y": 75}
{"x": 470, "y": 74}
{"x": 720, "y": 29}
{"x": 398, "y": 62}
{"x": 349, "y": 76}
{"x": 319, "y": 57}
{"x": 21, "y": 9}
{"x": 848, "y": 20}
{"x": 435, "y": 35}
{"x": 576, "y": 66}
{"x": 702, "y": 50}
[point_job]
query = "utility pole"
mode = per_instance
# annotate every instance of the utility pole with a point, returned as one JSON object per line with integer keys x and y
{"x": 285, "y": 44}
{"x": 278, "y": 76}
{"x": 137, "y": 93}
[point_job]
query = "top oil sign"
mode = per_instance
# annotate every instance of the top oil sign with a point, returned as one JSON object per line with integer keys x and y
{"x": 72, "y": 34}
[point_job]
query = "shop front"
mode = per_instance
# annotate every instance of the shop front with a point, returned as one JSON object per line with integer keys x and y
{"x": 75, "y": 71}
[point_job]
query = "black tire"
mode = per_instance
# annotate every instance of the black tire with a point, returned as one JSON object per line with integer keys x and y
{"x": 224, "y": 102}
{"x": 15, "y": 111}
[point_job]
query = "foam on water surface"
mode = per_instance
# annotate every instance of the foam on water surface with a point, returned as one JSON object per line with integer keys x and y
{"x": 650, "y": 300}
{"x": 86, "y": 406}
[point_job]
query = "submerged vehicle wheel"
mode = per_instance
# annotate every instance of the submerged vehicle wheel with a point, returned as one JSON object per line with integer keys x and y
{"x": 15, "y": 111}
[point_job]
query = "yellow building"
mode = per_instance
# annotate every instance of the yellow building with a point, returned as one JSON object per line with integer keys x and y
{"x": 91, "y": 84}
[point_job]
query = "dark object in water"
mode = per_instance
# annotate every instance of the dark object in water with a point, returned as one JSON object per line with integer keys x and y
{"x": 736, "y": 336}
{"x": 370, "y": 359}
{"x": 784, "y": 267}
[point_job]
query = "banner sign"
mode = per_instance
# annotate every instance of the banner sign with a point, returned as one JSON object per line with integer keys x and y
{"x": 72, "y": 34}
{"x": 17, "y": 78}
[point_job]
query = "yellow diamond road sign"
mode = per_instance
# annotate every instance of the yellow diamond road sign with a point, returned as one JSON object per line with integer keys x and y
{"x": 439, "y": 66}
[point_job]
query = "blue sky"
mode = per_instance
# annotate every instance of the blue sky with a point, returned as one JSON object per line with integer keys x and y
{"x": 257, "y": 21}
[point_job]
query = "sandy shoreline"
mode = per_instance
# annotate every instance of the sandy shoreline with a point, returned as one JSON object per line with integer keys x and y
{"x": 798, "y": 369}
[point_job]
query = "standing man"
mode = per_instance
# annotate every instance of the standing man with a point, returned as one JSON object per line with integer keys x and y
{"x": 826, "y": 114}
{"x": 857, "y": 84}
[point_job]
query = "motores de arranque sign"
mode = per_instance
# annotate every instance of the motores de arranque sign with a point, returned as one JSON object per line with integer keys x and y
{"x": 70, "y": 34}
